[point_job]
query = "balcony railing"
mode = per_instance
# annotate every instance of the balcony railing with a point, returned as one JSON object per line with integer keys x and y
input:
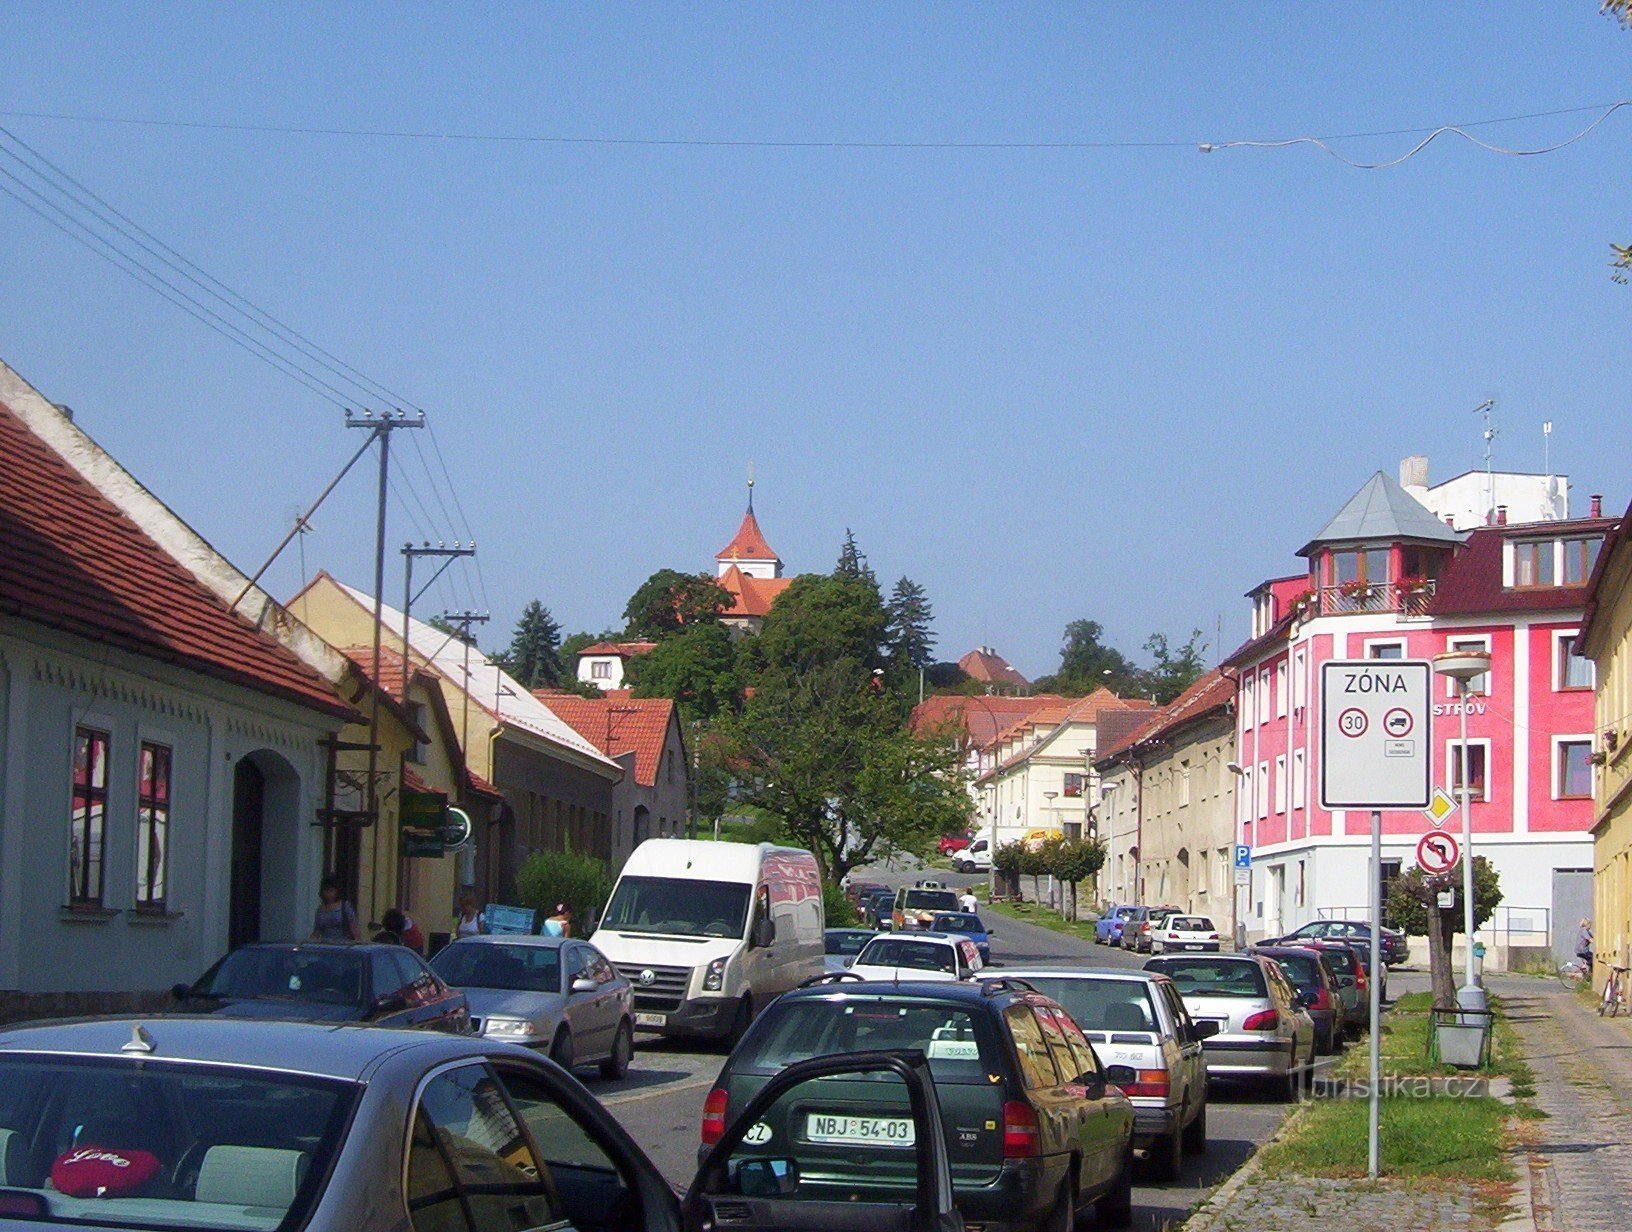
{"x": 1406, "y": 598}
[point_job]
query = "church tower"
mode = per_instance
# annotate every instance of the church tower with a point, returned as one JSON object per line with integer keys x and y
{"x": 748, "y": 551}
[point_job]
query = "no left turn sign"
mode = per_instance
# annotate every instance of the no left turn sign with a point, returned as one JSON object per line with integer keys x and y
{"x": 1438, "y": 853}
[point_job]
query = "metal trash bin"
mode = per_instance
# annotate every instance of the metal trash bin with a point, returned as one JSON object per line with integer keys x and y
{"x": 1460, "y": 1037}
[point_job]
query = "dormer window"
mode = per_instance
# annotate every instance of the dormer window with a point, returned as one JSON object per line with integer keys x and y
{"x": 1532, "y": 563}
{"x": 1580, "y": 555}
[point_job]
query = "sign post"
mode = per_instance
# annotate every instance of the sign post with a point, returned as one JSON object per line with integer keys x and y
{"x": 1374, "y": 754}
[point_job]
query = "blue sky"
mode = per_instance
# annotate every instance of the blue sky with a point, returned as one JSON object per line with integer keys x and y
{"x": 1117, "y": 383}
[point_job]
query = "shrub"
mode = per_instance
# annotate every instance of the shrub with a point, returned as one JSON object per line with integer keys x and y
{"x": 581, "y": 882}
{"x": 837, "y": 908}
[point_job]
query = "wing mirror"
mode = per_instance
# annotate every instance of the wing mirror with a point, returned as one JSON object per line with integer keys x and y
{"x": 764, "y": 933}
{"x": 390, "y": 1003}
{"x": 764, "y": 1178}
{"x": 1204, "y": 1030}
{"x": 1121, "y": 1075}
{"x": 1307, "y": 998}
{"x": 584, "y": 985}
{"x": 181, "y": 991}
{"x": 1345, "y": 981}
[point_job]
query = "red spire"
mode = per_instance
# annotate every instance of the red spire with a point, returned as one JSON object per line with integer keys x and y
{"x": 748, "y": 543}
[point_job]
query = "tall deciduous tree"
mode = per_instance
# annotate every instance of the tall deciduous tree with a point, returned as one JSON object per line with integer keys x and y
{"x": 1172, "y": 671}
{"x": 670, "y": 601}
{"x": 1087, "y": 663}
{"x": 909, "y": 633}
{"x": 534, "y": 654}
{"x": 819, "y": 620}
{"x": 696, "y": 669}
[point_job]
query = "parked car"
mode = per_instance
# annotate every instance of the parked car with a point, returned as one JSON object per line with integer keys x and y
{"x": 1314, "y": 978}
{"x": 965, "y": 924}
{"x": 377, "y": 983}
{"x": 553, "y": 993}
{"x": 1138, "y": 1019}
{"x": 1108, "y": 928}
{"x": 916, "y": 905}
{"x": 209, "y": 1123}
{"x": 1178, "y": 934}
{"x": 855, "y": 891}
{"x": 843, "y": 944}
{"x": 1136, "y": 928}
{"x": 977, "y": 857}
{"x": 1351, "y": 981}
{"x": 954, "y": 842}
{"x": 1394, "y": 945}
{"x": 1035, "y": 1127}
{"x": 917, "y": 956}
{"x": 1263, "y": 1033}
{"x": 876, "y": 907}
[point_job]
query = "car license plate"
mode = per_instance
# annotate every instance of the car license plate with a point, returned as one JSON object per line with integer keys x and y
{"x": 651, "y": 1020}
{"x": 875, "y": 1131}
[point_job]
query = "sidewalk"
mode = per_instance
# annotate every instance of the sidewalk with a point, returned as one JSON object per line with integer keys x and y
{"x": 1581, "y": 1155}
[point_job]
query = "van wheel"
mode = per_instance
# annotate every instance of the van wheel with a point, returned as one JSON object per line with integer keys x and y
{"x": 739, "y": 1023}
{"x": 561, "y": 1049}
{"x": 623, "y": 1050}
{"x": 1115, "y": 1209}
{"x": 1195, "y": 1133}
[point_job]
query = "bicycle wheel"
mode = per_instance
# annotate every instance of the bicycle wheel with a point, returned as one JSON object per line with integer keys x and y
{"x": 1608, "y": 999}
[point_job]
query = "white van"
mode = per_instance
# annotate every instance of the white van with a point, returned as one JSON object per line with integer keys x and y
{"x": 709, "y": 933}
{"x": 977, "y": 857}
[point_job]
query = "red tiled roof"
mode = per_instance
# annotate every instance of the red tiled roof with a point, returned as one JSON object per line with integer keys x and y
{"x": 639, "y": 725}
{"x": 749, "y": 543}
{"x": 623, "y": 650}
{"x": 989, "y": 667}
{"x": 1472, "y": 583}
{"x": 412, "y": 782}
{"x": 751, "y": 596}
{"x": 480, "y": 786}
{"x": 72, "y": 559}
{"x": 1091, "y": 709}
{"x": 1212, "y": 692}
{"x": 980, "y": 718}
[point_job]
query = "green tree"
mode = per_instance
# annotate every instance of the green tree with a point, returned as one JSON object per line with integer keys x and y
{"x": 852, "y": 560}
{"x": 580, "y": 881}
{"x": 696, "y": 669}
{"x": 1413, "y": 905}
{"x": 820, "y": 620}
{"x": 828, "y": 752}
{"x": 670, "y": 601}
{"x": 1036, "y": 860}
{"x": 1075, "y": 860}
{"x": 945, "y": 676}
{"x": 908, "y": 634}
{"x": 534, "y": 655}
{"x": 1086, "y": 663}
{"x": 1173, "y": 671}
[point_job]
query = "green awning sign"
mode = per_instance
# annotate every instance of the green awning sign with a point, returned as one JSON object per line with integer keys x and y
{"x": 421, "y": 819}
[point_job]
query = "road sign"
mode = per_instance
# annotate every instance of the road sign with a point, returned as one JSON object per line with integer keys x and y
{"x": 1243, "y": 856}
{"x": 1243, "y": 876}
{"x": 1446, "y": 899}
{"x": 1438, "y": 853}
{"x": 1440, "y": 808}
{"x": 1374, "y": 720}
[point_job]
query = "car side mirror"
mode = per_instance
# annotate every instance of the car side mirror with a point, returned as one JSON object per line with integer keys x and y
{"x": 390, "y": 1003}
{"x": 1345, "y": 981}
{"x": 1307, "y": 998}
{"x": 1121, "y": 1075}
{"x": 1204, "y": 1030}
{"x": 764, "y": 1178}
{"x": 582, "y": 984}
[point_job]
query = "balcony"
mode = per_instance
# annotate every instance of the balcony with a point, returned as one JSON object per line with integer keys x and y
{"x": 1408, "y": 598}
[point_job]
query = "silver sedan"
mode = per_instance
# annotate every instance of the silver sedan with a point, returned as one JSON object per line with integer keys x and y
{"x": 550, "y": 993}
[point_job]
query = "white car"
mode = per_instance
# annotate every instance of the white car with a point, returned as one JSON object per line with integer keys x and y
{"x": 1184, "y": 934}
{"x": 919, "y": 956}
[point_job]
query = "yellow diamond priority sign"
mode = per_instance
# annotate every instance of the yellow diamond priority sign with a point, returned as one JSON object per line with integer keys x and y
{"x": 1440, "y": 808}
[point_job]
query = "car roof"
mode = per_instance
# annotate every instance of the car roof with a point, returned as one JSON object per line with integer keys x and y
{"x": 923, "y": 935}
{"x": 960, "y": 915}
{"x": 867, "y": 932}
{"x": 540, "y": 942}
{"x": 930, "y": 990}
{"x": 1238, "y": 958}
{"x": 327, "y": 1050}
{"x": 352, "y": 947}
{"x": 1077, "y": 973}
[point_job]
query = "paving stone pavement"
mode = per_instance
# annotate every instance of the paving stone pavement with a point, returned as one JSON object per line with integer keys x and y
{"x": 1583, "y": 1068}
{"x": 1351, "y": 1206}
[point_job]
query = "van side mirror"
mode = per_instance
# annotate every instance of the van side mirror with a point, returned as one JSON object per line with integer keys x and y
{"x": 764, "y": 933}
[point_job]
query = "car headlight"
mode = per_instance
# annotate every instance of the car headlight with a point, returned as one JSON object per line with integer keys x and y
{"x": 514, "y": 1027}
{"x": 714, "y": 977}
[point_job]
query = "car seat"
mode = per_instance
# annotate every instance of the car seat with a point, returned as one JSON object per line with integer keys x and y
{"x": 1127, "y": 1016}
{"x": 251, "y": 1176}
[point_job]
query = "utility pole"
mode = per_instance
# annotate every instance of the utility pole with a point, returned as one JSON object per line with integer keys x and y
{"x": 461, "y": 621}
{"x": 381, "y": 427}
{"x": 409, "y": 554}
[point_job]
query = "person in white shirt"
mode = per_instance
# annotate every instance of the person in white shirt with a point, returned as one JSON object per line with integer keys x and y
{"x": 968, "y": 902}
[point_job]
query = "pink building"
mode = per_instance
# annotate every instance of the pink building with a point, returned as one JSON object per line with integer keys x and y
{"x": 1388, "y": 579}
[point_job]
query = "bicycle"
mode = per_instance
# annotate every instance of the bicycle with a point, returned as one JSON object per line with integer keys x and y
{"x": 1614, "y": 998}
{"x": 1572, "y": 973}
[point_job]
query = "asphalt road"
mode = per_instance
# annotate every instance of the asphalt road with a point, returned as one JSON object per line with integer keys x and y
{"x": 661, "y": 1101}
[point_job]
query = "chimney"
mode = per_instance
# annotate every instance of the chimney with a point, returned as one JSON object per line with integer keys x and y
{"x": 1414, "y": 472}
{"x": 1597, "y": 504}
{"x": 1501, "y": 515}
{"x": 1450, "y": 521}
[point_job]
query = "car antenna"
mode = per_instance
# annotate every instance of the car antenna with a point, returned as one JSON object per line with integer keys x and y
{"x": 140, "y": 1040}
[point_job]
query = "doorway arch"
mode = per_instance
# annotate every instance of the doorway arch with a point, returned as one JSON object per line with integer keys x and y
{"x": 263, "y": 881}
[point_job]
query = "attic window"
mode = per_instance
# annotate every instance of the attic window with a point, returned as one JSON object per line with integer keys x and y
{"x": 1533, "y": 563}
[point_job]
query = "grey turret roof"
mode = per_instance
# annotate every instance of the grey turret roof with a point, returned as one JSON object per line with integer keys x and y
{"x": 1381, "y": 509}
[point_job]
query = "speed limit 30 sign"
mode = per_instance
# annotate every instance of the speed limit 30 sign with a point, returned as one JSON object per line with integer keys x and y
{"x": 1374, "y": 726}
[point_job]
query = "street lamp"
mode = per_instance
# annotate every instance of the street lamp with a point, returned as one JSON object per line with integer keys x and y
{"x": 1463, "y": 666}
{"x": 1236, "y": 937}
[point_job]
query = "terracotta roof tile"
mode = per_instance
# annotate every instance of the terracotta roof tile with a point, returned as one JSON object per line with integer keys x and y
{"x": 980, "y": 718}
{"x": 72, "y": 559}
{"x": 1209, "y": 693}
{"x": 751, "y": 596}
{"x": 624, "y": 650}
{"x": 989, "y": 667}
{"x": 749, "y": 543}
{"x": 638, "y": 725}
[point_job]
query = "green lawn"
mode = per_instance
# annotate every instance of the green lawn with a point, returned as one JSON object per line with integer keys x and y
{"x": 1443, "y": 1136}
{"x": 1404, "y": 1047}
{"x": 1043, "y": 917}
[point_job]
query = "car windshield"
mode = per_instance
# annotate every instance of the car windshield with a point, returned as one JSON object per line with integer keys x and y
{"x": 1100, "y": 1004}
{"x": 1190, "y": 924}
{"x": 846, "y": 941}
{"x": 493, "y": 964}
{"x": 961, "y": 1048}
{"x": 931, "y": 900}
{"x": 145, "y": 1143}
{"x": 1217, "y": 977}
{"x": 957, "y": 922}
{"x": 913, "y": 955}
{"x": 678, "y": 908}
{"x": 1125, "y": 913}
{"x": 328, "y": 976}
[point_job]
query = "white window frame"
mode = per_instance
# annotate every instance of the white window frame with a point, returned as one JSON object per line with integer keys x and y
{"x": 1263, "y": 790}
{"x": 1263, "y": 694}
{"x": 1558, "y": 665}
{"x": 1299, "y": 795}
{"x": 1466, "y": 641}
{"x": 1557, "y": 776}
{"x": 1451, "y": 746}
{"x": 1280, "y": 784}
{"x": 1248, "y": 701}
{"x": 1372, "y": 643}
{"x": 1280, "y": 689}
{"x": 600, "y": 669}
{"x": 1300, "y": 678}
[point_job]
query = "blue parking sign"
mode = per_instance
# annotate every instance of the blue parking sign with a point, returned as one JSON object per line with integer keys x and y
{"x": 1243, "y": 856}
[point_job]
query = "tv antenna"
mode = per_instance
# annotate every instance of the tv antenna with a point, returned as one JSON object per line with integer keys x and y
{"x": 1487, "y": 408}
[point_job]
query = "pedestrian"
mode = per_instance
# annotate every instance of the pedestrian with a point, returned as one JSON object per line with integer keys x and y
{"x": 471, "y": 921}
{"x": 412, "y": 937}
{"x": 335, "y": 920}
{"x": 968, "y": 902}
{"x": 559, "y": 924}
{"x": 393, "y": 924}
{"x": 1583, "y": 945}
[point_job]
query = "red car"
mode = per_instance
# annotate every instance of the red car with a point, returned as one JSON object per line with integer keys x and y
{"x": 954, "y": 842}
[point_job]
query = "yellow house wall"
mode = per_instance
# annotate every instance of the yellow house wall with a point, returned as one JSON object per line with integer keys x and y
{"x": 1612, "y": 835}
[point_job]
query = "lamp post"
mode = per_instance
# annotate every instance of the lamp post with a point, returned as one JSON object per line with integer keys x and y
{"x": 1463, "y": 666}
{"x": 1236, "y": 938}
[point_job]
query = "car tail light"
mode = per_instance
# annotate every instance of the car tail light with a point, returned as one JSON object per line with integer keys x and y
{"x": 1152, "y": 1082}
{"x": 1019, "y": 1130}
{"x": 714, "y": 1116}
{"x": 1263, "y": 1020}
{"x": 1212, "y": 936}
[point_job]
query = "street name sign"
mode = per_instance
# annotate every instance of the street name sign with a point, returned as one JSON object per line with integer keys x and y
{"x": 1374, "y": 734}
{"x": 1438, "y": 853}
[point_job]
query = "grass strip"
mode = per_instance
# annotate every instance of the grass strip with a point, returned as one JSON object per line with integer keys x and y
{"x": 1442, "y": 1136}
{"x": 1404, "y": 1046}
{"x": 1043, "y": 917}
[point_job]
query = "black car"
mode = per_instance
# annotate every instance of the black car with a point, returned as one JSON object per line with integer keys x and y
{"x": 1393, "y": 943}
{"x": 377, "y": 983}
{"x": 875, "y": 908}
{"x": 1036, "y": 1129}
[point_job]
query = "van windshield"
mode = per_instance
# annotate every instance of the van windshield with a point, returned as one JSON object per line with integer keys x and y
{"x": 930, "y": 900}
{"x": 678, "y": 908}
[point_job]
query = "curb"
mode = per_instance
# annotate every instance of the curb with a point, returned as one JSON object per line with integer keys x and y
{"x": 1209, "y": 1212}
